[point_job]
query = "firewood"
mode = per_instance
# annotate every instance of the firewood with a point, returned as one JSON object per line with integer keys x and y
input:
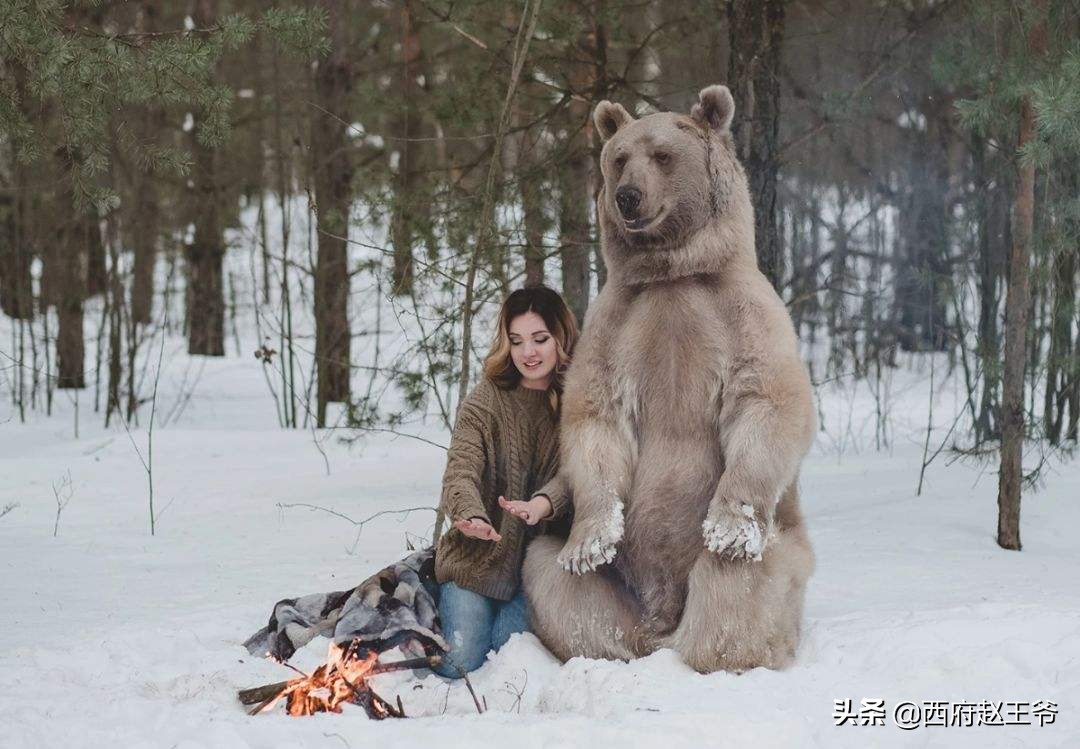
{"x": 259, "y": 694}
{"x": 267, "y": 692}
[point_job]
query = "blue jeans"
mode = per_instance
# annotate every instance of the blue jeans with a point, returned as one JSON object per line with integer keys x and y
{"x": 474, "y": 624}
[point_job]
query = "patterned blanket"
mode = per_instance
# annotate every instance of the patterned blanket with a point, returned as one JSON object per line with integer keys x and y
{"x": 396, "y": 607}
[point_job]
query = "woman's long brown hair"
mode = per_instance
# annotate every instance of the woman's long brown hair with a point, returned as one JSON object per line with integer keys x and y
{"x": 560, "y": 322}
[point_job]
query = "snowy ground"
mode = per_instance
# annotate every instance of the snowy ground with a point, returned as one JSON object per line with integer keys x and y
{"x": 114, "y": 638}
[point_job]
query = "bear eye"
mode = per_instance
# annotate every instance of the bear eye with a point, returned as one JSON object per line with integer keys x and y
{"x": 662, "y": 157}
{"x": 620, "y": 161}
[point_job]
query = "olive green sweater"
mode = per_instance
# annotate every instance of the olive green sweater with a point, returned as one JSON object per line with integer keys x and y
{"x": 505, "y": 442}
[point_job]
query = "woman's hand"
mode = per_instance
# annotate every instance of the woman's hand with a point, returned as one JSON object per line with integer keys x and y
{"x": 477, "y": 528}
{"x": 531, "y": 511}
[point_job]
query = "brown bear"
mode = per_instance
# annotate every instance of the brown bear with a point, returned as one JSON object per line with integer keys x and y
{"x": 686, "y": 414}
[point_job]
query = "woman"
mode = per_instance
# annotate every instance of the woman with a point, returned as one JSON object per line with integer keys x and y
{"x": 500, "y": 477}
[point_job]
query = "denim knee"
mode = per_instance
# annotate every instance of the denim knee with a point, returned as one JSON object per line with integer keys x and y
{"x": 467, "y": 619}
{"x": 511, "y": 617}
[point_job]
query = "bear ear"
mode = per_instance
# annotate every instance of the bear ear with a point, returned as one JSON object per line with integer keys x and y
{"x": 609, "y": 117}
{"x": 715, "y": 108}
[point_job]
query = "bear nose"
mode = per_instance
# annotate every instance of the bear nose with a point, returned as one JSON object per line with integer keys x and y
{"x": 629, "y": 200}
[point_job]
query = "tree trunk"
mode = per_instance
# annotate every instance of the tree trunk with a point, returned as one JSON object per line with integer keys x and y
{"x": 16, "y": 290}
{"x": 870, "y": 323}
{"x": 646, "y": 69}
{"x": 837, "y": 319}
{"x": 526, "y": 163}
{"x": 574, "y": 193}
{"x": 1062, "y": 357}
{"x": 923, "y": 274}
{"x": 756, "y": 34}
{"x": 407, "y": 127}
{"x": 68, "y": 276}
{"x": 114, "y": 310}
{"x": 813, "y": 305}
{"x": 144, "y": 236}
{"x": 530, "y": 182}
{"x": 205, "y": 260}
{"x": 206, "y": 253}
{"x": 83, "y": 231}
{"x": 1038, "y": 303}
{"x": 332, "y": 172}
{"x": 90, "y": 234}
{"x": 1072, "y": 389}
{"x": 146, "y": 218}
{"x": 205, "y": 299}
{"x": 1016, "y": 309}
{"x": 799, "y": 272}
{"x": 601, "y": 86}
{"x": 1061, "y": 354}
{"x": 574, "y": 245}
{"x": 17, "y": 229}
{"x": 993, "y": 219}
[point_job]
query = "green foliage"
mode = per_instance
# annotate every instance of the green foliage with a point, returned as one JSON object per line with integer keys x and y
{"x": 1056, "y": 100}
{"x": 73, "y": 74}
{"x": 301, "y": 31}
{"x": 976, "y": 114}
{"x": 414, "y": 389}
{"x": 992, "y": 67}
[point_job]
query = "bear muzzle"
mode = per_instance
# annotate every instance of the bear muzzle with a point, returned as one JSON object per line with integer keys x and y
{"x": 628, "y": 199}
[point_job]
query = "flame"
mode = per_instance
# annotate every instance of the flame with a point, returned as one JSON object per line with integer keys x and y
{"x": 340, "y": 679}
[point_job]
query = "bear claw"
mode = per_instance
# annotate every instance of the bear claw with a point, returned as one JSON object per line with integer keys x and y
{"x": 735, "y": 534}
{"x": 580, "y": 557}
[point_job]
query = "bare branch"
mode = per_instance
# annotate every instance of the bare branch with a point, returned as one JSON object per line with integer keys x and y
{"x": 63, "y": 492}
{"x": 359, "y": 524}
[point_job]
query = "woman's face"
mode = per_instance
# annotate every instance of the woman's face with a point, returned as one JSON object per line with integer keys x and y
{"x": 532, "y": 347}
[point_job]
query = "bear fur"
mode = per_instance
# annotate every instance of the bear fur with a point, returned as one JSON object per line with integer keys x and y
{"x": 686, "y": 414}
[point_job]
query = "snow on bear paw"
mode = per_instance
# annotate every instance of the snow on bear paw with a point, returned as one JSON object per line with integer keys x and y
{"x": 589, "y": 547}
{"x": 734, "y": 533}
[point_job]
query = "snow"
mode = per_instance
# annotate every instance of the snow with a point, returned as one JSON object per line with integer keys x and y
{"x": 733, "y": 534}
{"x": 116, "y": 638}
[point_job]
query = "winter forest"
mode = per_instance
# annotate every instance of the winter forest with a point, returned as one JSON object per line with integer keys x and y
{"x": 251, "y": 256}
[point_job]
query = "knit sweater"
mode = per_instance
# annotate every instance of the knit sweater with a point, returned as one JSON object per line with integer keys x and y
{"x": 505, "y": 442}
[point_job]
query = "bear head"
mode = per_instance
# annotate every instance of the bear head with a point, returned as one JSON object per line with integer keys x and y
{"x": 674, "y": 199}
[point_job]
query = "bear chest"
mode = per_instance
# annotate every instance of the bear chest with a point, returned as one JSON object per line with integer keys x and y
{"x": 668, "y": 358}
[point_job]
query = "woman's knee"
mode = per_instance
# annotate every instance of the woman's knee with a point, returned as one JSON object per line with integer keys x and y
{"x": 467, "y": 619}
{"x": 461, "y": 661}
{"x": 512, "y": 618}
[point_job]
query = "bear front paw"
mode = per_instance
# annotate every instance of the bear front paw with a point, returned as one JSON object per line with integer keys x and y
{"x": 735, "y": 533}
{"x": 587, "y": 548}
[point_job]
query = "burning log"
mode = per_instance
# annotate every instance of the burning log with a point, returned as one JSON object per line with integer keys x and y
{"x": 343, "y": 678}
{"x": 255, "y": 695}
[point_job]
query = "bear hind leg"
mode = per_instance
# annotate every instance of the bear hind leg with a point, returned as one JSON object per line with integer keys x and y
{"x": 590, "y": 615}
{"x": 741, "y": 615}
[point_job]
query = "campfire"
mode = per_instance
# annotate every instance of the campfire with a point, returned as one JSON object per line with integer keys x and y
{"x": 343, "y": 678}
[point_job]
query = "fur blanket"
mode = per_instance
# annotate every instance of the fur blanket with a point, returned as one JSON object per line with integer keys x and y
{"x": 396, "y": 607}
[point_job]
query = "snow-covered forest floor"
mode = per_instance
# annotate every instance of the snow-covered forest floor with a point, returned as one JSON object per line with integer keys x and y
{"x": 112, "y": 637}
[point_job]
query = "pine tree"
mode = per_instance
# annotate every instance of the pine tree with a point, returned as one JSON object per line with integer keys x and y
{"x": 756, "y": 35}
{"x": 1025, "y": 94}
{"x": 333, "y": 173}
